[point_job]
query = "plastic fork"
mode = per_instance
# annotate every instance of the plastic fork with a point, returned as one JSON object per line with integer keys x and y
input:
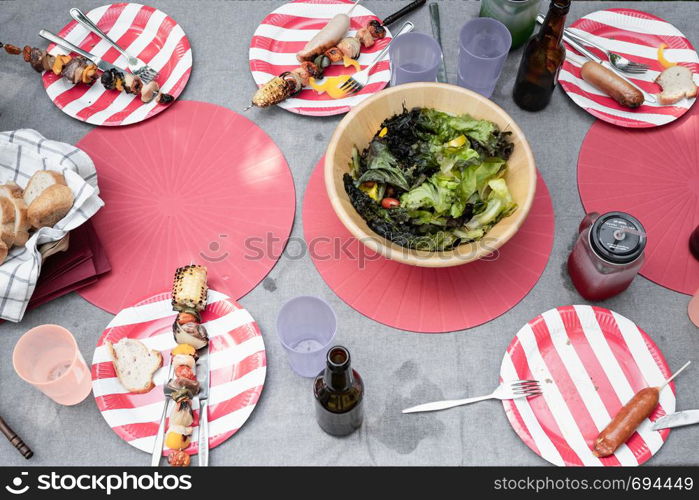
{"x": 135, "y": 65}
{"x": 358, "y": 81}
{"x": 506, "y": 390}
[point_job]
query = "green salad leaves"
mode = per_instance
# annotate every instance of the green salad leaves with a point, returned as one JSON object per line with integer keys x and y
{"x": 430, "y": 180}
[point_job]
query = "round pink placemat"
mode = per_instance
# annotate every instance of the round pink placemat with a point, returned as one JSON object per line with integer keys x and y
{"x": 653, "y": 175}
{"x": 198, "y": 184}
{"x": 422, "y": 299}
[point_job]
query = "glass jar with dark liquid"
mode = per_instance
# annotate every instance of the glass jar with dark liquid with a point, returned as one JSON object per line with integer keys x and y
{"x": 607, "y": 254}
{"x": 339, "y": 394}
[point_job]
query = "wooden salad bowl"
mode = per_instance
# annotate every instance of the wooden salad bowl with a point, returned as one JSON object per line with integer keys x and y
{"x": 362, "y": 122}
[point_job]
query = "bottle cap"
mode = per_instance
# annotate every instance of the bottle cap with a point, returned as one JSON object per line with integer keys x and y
{"x": 617, "y": 237}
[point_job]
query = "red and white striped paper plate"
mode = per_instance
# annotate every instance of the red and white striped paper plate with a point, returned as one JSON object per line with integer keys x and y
{"x": 142, "y": 31}
{"x": 237, "y": 361}
{"x": 286, "y": 30}
{"x": 637, "y": 36}
{"x": 590, "y": 362}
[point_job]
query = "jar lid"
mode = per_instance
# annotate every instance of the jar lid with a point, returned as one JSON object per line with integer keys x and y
{"x": 617, "y": 237}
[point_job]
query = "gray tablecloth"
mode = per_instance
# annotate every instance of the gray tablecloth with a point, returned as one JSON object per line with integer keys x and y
{"x": 399, "y": 368}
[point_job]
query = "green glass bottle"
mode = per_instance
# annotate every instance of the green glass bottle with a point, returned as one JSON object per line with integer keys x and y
{"x": 339, "y": 393}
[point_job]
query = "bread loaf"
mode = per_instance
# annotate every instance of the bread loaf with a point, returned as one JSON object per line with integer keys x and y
{"x": 50, "y": 206}
{"x": 14, "y": 194}
{"x": 39, "y": 182}
{"x": 7, "y": 222}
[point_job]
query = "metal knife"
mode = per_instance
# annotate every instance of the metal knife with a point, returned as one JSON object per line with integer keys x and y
{"x": 97, "y": 61}
{"x": 203, "y": 374}
{"x": 678, "y": 419}
{"x": 437, "y": 33}
{"x": 592, "y": 57}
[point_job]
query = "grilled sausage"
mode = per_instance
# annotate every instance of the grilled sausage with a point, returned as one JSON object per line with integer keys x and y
{"x": 326, "y": 38}
{"x": 626, "y": 421}
{"x": 611, "y": 84}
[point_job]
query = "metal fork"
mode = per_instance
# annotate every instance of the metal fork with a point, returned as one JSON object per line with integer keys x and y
{"x": 617, "y": 60}
{"x": 506, "y": 390}
{"x": 137, "y": 67}
{"x": 358, "y": 81}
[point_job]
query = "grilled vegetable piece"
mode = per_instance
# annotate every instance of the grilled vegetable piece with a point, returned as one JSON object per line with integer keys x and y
{"x": 376, "y": 29}
{"x": 350, "y": 47}
{"x": 191, "y": 386}
{"x": 273, "y": 92}
{"x": 182, "y": 413}
{"x": 176, "y": 441}
{"x": 181, "y": 394}
{"x": 189, "y": 290}
{"x": 184, "y": 349}
{"x": 193, "y": 334}
{"x": 178, "y": 458}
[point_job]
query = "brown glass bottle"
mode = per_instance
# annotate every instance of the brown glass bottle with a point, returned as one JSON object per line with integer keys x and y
{"x": 542, "y": 59}
{"x": 339, "y": 392}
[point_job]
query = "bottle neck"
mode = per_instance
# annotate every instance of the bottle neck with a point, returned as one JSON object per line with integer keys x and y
{"x": 338, "y": 372}
{"x": 554, "y": 23}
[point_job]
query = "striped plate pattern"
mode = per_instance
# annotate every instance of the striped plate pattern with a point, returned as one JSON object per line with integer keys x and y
{"x": 635, "y": 35}
{"x": 286, "y": 30}
{"x": 237, "y": 361}
{"x": 590, "y": 361}
{"x": 142, "y": 31}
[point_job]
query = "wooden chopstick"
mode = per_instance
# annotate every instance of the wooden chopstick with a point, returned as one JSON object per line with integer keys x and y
{"x": 16, "y": 441}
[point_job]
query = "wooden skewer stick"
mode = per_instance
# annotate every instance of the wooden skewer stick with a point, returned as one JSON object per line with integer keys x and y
{"x": 353, "y": 6}
{"x": 675, "y": 374}
{"x": 15, "y": 440}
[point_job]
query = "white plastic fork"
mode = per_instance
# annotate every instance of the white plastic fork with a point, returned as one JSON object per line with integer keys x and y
{"x": 506, "y": 390}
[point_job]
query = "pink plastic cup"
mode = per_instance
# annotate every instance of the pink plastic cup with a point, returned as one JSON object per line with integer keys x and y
{"x": 48, "y": 358}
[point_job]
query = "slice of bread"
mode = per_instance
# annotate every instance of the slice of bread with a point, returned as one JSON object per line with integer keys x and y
{"x": 677, "y": 83}
{"x": 13, "y": 192}
{"x": 38, "y": 183}
{"x": 3, "y": 251}
{"x": 50, "y": 206}
{"x": 7, "y": 222}
{"x": 135, "y": 364}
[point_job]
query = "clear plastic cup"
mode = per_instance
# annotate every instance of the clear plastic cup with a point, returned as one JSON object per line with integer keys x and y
{"x": 415, "y": 57}
{"x": 48, "y": 358}
{"x": 483, "y": 47}
{"x": 306, "y": 327}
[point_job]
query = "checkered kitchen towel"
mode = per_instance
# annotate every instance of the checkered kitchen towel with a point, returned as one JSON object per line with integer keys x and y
{"x": 23, "y": 152}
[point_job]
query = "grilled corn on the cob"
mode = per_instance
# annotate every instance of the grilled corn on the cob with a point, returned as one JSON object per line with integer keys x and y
{"x": 189, "y": 289}
{"x": 272, "y": 92}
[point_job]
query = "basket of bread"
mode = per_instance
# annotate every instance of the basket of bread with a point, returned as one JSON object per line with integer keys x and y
{"x": 47, "y": 188}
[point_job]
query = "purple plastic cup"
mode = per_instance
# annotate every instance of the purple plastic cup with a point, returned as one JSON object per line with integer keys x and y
{"x": 415, "y": 57}
{"x": 306, "y": 327}
{"x": 483, "y": 47}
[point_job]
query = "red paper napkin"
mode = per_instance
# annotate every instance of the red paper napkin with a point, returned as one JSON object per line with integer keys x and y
{"x": 73, "y": 269}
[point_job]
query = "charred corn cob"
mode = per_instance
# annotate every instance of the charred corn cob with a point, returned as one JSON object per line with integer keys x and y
{"x": 189, "y": 289}
{"x": 273, "y": 92}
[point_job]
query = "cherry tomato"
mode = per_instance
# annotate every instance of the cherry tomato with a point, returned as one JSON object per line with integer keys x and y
{"x": 185, "y": 372}
{"x": 390, "y": 203}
